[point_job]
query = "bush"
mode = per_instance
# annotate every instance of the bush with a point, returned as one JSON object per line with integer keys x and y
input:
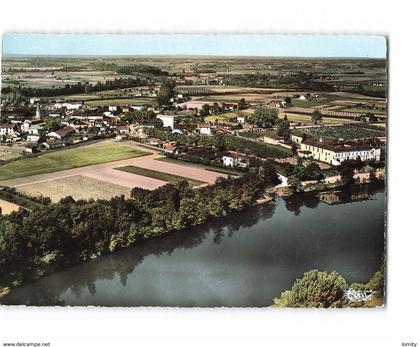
{"x": 314, "y": 289}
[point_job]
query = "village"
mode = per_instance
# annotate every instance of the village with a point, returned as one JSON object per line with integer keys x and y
{"x": 226, "y": 137}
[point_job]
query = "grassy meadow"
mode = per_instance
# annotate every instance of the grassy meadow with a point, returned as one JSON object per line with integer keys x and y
{"x": 67, "y": 159}
{"x": 163, "y": 176}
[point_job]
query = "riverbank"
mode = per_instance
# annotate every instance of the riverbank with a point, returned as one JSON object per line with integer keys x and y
{"x": 241, "y": 259}
{"x": 70, "y": 232}
{"x": 320, "y": 187}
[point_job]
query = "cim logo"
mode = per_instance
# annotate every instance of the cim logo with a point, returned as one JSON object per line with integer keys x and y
{"x": 358, "y": 295}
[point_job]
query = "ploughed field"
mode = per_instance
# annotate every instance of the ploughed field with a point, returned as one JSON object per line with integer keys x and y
{"x": 79, "y": 187}
{"x": 114, "y": 170}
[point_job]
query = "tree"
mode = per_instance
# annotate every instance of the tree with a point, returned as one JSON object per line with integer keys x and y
{"x": 166, "y": 92}
{"x": 142, "y": 116}
{"x": 268, "y": 173}
{"x": 264, "y": 117}
{"x": 313, "y": 171}
{"x": 205, "y": 110}
{"x": 372, "y": 176}
{"x": 283, "y": 128}
{"x": 316, "y": 116}
{"x": 347, "y": 173}
{"x": 52, "y": 124}
{"x": 242, "y": 104}
{"x": 288, "y": 100}
{"x": 295, "y": 184}
{"x": 314, "y": 289}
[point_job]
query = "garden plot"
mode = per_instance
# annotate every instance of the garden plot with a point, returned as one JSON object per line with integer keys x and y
{"x": 345, "y": 132}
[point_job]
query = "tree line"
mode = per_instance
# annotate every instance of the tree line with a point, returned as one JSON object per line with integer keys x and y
{"x": 301, "y": 80}
{"x": 55, "y": 235}
{"x": 78, "y": 88}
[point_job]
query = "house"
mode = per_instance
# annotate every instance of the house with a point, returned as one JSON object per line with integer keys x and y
{"x": 177, "y": 131}
{"x": 138, "y": 107}
{"x": 62, "y": 133}
{"x": 68, "y": 105}
{"x": 72, "y": 106}
{"x": 230, "y": 106}
{"x": 78, "y": 124}
{"x": 16, "y": 119}
{"x": 123, "y": 130}
{"x": 297, "y": 136}
{"x": 169, "y": 147}
{"x": 272, "y": 139}
{"x": 33, "y": 126}
{"x": 153, "y": 141}
{"x": 31, "y": 149}
{"x": 283, "y": 180}
{"x": 335, "y": 153}
{"x": 205, "y": 129}
{"x": 235, "y": 160}
{"x": 33, "y": 137}
{"x": 53, "y": 144}
{"x": 121, "y": 137}
{"x": 7, "y": 129}
{"x": 241, "y": 119}
{"x": 168, "y": 121}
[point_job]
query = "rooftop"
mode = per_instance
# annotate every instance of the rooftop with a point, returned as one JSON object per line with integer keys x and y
{"x": 339, "y": 146}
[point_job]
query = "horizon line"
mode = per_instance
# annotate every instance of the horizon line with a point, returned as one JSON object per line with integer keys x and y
{"x": 11, "y": 55}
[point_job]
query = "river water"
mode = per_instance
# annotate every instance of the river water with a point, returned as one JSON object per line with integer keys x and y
{"x": 243, "y": 260}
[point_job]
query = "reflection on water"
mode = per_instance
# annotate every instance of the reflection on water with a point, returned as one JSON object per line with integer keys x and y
{"x": 244, "y": 259}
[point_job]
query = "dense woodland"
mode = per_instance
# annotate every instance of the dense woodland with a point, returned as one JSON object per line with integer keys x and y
{"x": 55, "y": 235}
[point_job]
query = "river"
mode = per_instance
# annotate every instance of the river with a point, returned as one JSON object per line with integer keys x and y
{"x": 243, "y": 260}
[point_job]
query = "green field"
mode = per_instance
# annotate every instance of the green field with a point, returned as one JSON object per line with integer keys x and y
{"x": 201, "y": 166}
{"x": 67, "y": 159}
{"x": 221, "y": 117}
{"x": 163, "y": 176}
{"x": 321, "y": 100}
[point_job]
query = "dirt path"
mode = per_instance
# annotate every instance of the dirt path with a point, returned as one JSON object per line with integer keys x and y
{"x": 8, "y": 207}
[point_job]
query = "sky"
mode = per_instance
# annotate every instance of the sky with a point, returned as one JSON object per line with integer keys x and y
{"x": 219, "y": 45}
